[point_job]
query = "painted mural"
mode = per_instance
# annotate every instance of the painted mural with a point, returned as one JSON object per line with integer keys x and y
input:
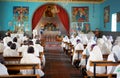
{"x": 80, "y": 14}
{"x": 20, "y": 15}
{"x": 106, "y": 14}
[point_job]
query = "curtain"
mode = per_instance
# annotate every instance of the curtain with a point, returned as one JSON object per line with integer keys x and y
{"x": 37, "y": 16}
{"x": 63, "y": 18}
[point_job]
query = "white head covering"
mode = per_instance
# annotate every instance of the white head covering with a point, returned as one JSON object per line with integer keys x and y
{"x": 95, "y": 55}
{"x": 88, "y": 48}
{"x": 105, "y": 49}
{"x": 79, "y": 46}
{"x": 110, "y": 69}
{"x": 6, "y": 40}
{"x": 100, "y": 42}
{"x": 116, "y": 51}
{"x": 66, "y": 39}
{"x": 1, "y": 47}
{"x": 110, "y": 38}
{"x": 84, "y": 39}
{"x": 104, "y": 38}
{"x": 117, "y": 71}
{"x": 3, "y": 69}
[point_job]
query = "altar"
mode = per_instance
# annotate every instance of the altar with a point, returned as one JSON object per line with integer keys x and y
{"x": 51, "y": 35}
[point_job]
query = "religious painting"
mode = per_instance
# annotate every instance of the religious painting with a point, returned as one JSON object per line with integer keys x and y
{"x": 86, "y": 28}
{"x": 51, "y": 10}
{"x": 73, "y": 28}
{"x": 118, "y": 16}
{"x": 106, "y": 14}
{"x": 20, "y": 13}
{"x": 80, "y": 14}
{"x": 79, "y": 27}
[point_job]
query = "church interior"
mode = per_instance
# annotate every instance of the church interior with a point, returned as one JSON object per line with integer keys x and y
{"x": 59, "y": 39}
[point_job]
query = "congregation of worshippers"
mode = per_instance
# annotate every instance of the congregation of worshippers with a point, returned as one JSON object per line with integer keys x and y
{"x": 82, "y": 49}
{"x": 23, "y": 51}
{"x": 88, "y": 50}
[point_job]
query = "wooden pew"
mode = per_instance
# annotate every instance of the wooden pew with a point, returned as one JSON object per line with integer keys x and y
{"x": 13, "y": 67}
{"x": 18, "y": 58}
{"x": 101, "y": 63}
{"x": 105, "y": 56}
{"x": 12, "y": 58}
{"x": 79, "y": 52}
{"x": 77, "y": 61}
{"x": 20, "y": 76}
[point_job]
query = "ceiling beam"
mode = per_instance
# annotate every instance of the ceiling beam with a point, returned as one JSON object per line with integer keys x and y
{"x": 69, "y": 1}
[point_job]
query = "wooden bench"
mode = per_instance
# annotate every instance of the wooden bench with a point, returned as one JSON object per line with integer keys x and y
{"x": 14, "y": 67}
{"x": 20, "y": 76}
{"x": 105, "y": 56}
{"x": 101, "y": 63}
{"x": 12, "y": 58}
{"x": 18, "y": 58}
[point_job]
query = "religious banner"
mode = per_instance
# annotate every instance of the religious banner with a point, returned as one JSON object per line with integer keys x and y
{"x": 106, "y": 14}
{"x": 118, "y": 16}
{"x": 86, "y": 28}
{"x": 80, "y": 14}
{"x": 20, "y": 13}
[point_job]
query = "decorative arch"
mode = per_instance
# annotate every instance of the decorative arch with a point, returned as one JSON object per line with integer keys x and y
{"x": 62, "y": 15}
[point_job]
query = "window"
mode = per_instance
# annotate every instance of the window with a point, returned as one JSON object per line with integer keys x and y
{"x": 114, "y": 22}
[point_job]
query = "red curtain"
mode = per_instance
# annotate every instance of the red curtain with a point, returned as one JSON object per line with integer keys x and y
{"x": 37, "y": 16}
{"x": 64, "y": 18}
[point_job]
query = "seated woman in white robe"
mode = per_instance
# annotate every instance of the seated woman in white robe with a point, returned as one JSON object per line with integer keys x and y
{"x": 12, "y": 51}
{"x": 6, "y": 40}
{"x": 117, "y": 71}
{"x": 23, "y": 49}
{"x": 113, "y": 56}
{"x": 79, "y": 46}
{"x": 64, "y": 45}
{"x": 15, "y": 40}
{"x": 87, "y": 52}
{"x": 95, "y": 55}
{"x": 100, "y": 43}
{"x": 111, "y": 39}
{"x": 106, "y": 49}
{"x": 65, "y": 39}
{"x": 39, "y": 50}
{"x": 104, "y": 38}
{"x": 31, "y": 58}
{"x": 84, "y": 39}
{"x": 3, "y": 70}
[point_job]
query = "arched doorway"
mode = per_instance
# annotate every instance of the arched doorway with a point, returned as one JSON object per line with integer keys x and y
{"x": 57, "y": 23}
